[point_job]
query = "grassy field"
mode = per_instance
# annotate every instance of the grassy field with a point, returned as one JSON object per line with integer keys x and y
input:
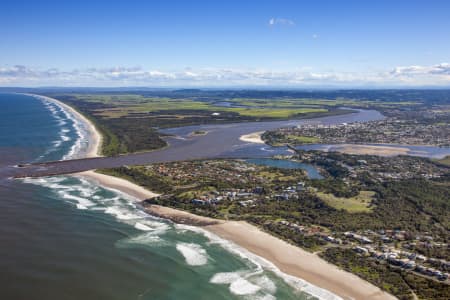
{"x": 445, "y": 161}
{"x": 130, "y": 122}
{"x": 295, "y": 103}
{"x": 303, "y": 139}
{"x": 120, "y": 105}
{"x": 359, "y": 203}
{"x": 124, "y": 105}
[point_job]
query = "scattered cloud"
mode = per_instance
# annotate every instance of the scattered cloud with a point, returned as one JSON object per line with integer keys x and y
{"x": 439, "y": 69}
{"x": 281, "y": 21}
{"x": 315, "y": 36}
{"x": 19, "y": 75}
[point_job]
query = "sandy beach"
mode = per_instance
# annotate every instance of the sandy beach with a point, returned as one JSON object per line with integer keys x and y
{"x": 254, "y": 137}
{"x": 289, "y": 259}
{"x": 371, "y": 150}
{"x": 94, "y": 151}
{"x": 95, "y": 138}
{"x": 120, "y": 184}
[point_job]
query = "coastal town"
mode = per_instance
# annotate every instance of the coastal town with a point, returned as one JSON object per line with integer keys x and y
{"x": 381, "y": 217}
{"x": 225, "y": 150}
{"x": 421, "y": 127}
{"x": 341, "y": 217}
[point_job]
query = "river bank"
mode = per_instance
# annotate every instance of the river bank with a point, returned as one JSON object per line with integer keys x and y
{"x": 289, "y": 259}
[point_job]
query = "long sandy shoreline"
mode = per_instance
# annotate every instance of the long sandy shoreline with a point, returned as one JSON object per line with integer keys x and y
{"x": 289, "y": 259}
{"x": 95, "y": 138}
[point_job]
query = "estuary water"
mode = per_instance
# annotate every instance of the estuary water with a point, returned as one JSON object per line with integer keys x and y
{"x": 65, "y": 237}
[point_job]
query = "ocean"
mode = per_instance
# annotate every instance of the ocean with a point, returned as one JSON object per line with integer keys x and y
{"x": 66, "y": 237}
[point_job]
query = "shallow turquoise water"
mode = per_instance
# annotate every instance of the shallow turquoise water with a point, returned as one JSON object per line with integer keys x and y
{"x": 68, "y": 238}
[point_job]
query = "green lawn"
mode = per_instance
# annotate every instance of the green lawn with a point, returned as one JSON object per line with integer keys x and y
{"x": 445, "y": 160}
{"x": 303, "y": 139}
{"x": 122, "y": 105}
{"x": 359, "y": 203}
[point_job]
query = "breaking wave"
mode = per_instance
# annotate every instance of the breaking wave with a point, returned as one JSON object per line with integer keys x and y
{"x": 194, "y": 254}
{"x": 249, "y": 282}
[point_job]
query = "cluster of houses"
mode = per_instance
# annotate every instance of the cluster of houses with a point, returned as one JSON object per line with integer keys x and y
{"x": 291, "y": 192}
{"x": 360, "y": 238}
{"x": 304, "y": 230}
{"x": 382, "y": 168}
{"x": 406, "y": 260}
{"x": 366, "y": 246}
{"x": 188, "y": 172}
{"x": 401, "y": 167}
{"x": 389, "y": 130}
{"x": 400, "y": 258}
{"x": 248, "y": 197}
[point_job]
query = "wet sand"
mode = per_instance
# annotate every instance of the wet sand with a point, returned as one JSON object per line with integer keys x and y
{"x": 253, "y": 137}
{"x": 287, "y": 258}
{"x": 120, "y": 184}
{"x": 95, "y": 138}
{"x": 371, "y": 150}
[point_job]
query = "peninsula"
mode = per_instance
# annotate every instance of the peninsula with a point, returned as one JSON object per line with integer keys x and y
{"x": 205, "y": 180}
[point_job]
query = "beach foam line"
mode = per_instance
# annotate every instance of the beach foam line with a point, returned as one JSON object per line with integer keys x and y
{"x": 88, "y": 142}
{"x": 124, "y": 214}
{"x": 251, "y": 283}
{"x": 261, "y": 263}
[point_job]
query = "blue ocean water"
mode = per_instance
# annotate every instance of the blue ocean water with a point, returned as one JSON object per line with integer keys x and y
{"x": 66, "y": 237}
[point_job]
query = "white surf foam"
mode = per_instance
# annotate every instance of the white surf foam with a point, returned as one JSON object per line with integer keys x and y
{"x": 243, "y": 287}
{"x": 142, "y": 227}
{"x": 63, "y": 116}
{"x": 260, "y": 263}
{"x": 81, "y": 201}
{"x": 250, "y": 282}
{"x": 265, "y": 283}
{"x": 246, "y": 283}
{"x": 194, "y": 254}
{"x": 146, "y": 239}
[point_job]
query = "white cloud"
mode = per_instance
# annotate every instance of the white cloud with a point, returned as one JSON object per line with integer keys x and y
{"x": 439, "y": 69}
{"x": 280, "y": 21}
{"x": 315, "y": 36}
{"x": 19, "y": 75}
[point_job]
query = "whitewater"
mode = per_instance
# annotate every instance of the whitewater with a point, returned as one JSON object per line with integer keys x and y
{"x": 252, "y": 278}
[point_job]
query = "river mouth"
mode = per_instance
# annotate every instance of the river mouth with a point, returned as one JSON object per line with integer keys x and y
{"x": 67, "y": 235}
{"x": 222, "y": 141}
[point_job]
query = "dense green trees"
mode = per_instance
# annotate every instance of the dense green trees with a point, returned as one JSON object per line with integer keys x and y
{"x": 398, "y": 282}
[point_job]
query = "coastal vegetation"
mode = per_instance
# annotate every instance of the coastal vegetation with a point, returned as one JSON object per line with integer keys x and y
{"x": 445, "y": 161}
{"x": 356, "y": 208}
{"x": 415, "y": 204}
{"x": 359, "y": 203}
{"x": 382, "y": 218}
{"x": 404, "y": 285}
{"x": 130, "y": 121}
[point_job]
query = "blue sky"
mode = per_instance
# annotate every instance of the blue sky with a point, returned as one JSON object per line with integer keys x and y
{"x": 225, "y": 43}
